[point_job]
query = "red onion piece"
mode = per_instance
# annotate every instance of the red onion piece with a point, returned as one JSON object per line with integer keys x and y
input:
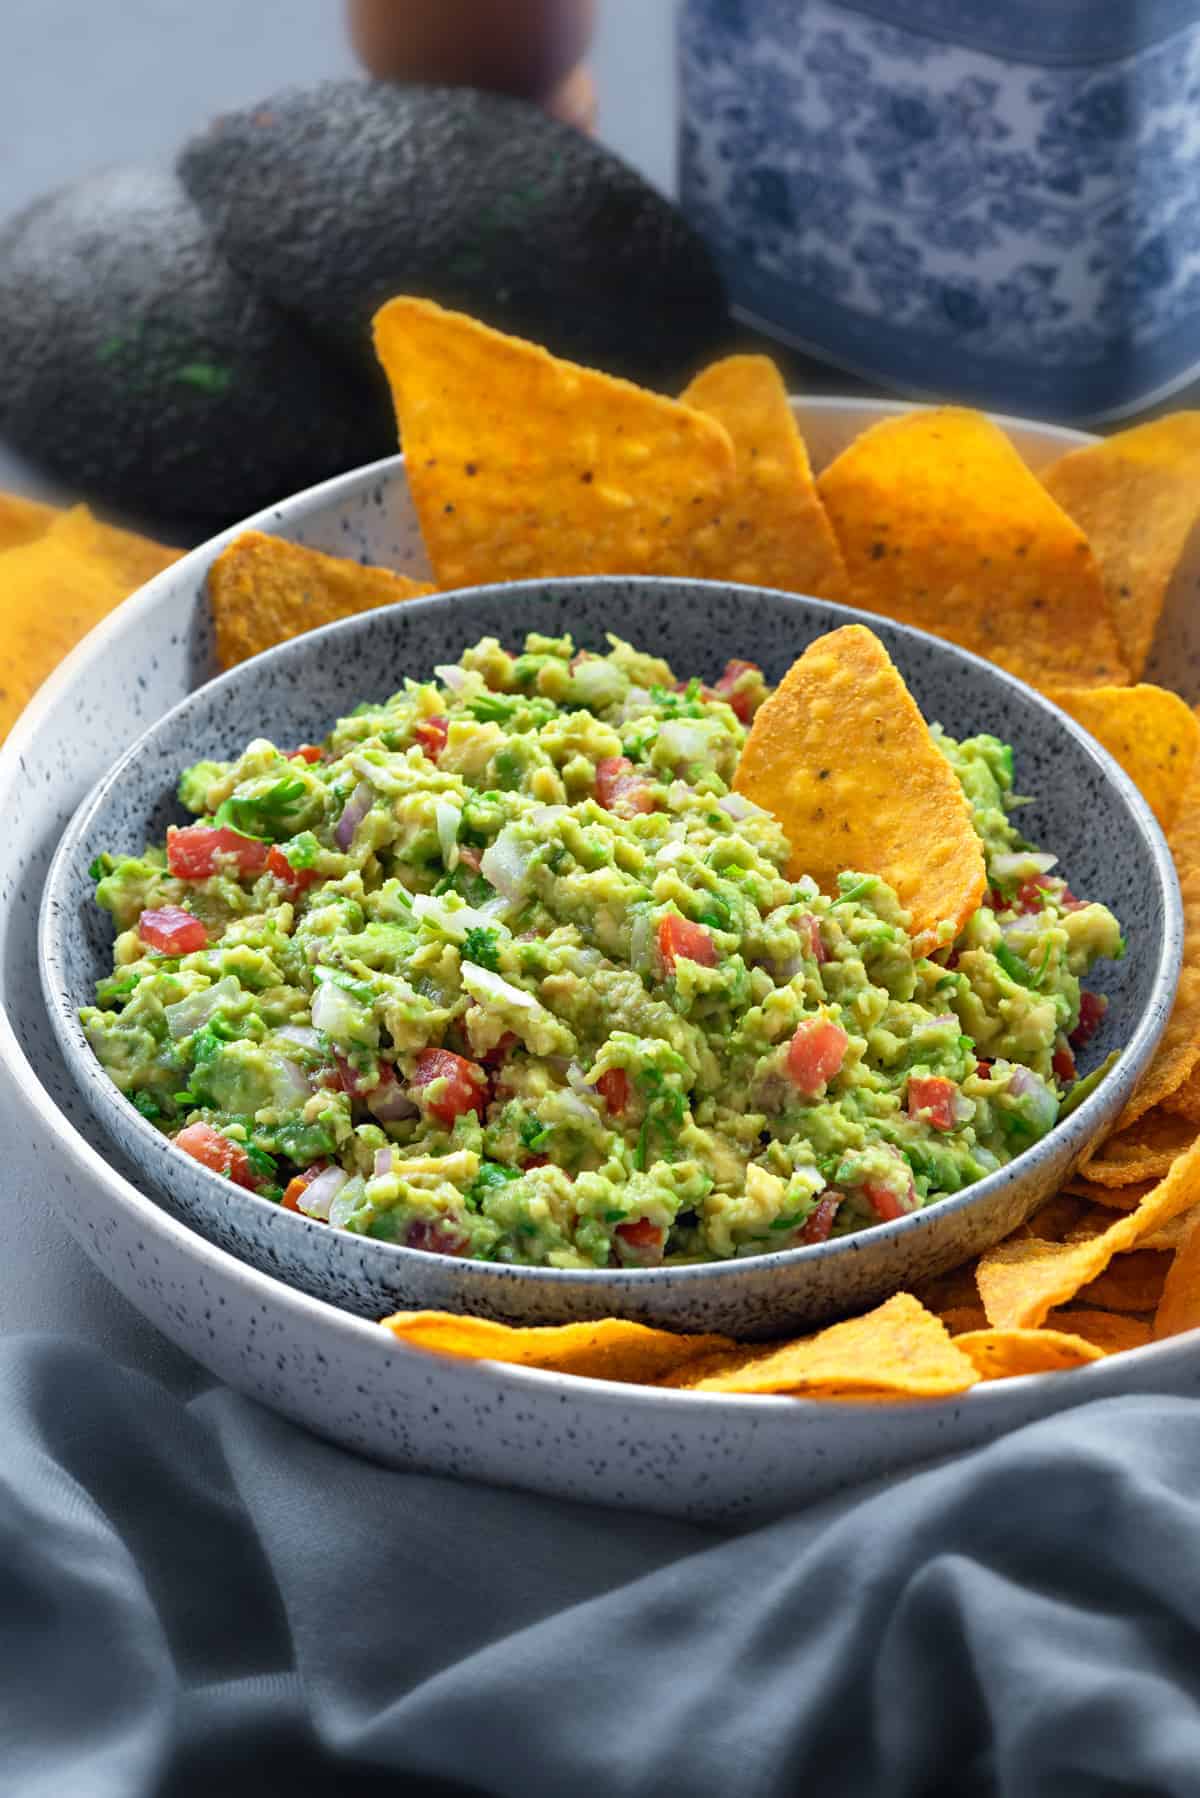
{"x": 320, "y": 1193}
{"x": 357, "y": 807}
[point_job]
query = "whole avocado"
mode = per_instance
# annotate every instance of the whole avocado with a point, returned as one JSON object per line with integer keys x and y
{"x": 139, "y": 368}
{"x": 333, "y": 198}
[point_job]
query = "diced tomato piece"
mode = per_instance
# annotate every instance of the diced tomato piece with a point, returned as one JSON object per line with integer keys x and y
{"x": 493, "y": 1057}
{"x": 811, "y": 925}
{"x": 640, "y": 1233}
{"x": 820, "y": 1221}
{"x": 613, "y": 1087}
{"x": 296, "y": 880}
{"x": 741, "y": 703}
{"x": 931, "y": 1097}
{"x": 620, "y": 787}
{"x": 172, "y": 931}
{"x": 431, "y": 734}
{"x": 883, "y": 1201}
{"x": 815, "y": 1054}
{"x": 1063, "y": 1062}
{"x": 212, "y": 1150}
{"x": 462, "y": 1091}
{"x": 680, "y": 937}
{"x": 1092, "y": 1007}
{"x": 1029, "y": 893}
{"x": 537, "y": 1161}
{"x": 299, "y": 1184}
{"x": 196, "y": 851}
{"x": 983, "y": 1069}
{"x": 434, "y": 1237}
{"x": 307, "y": 752}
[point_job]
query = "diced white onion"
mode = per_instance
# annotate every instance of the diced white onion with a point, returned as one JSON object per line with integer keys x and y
{"x": 451, "y": 676}
{"x": 334, "y": 1011}
{"x": 487, "y": 988}
{"x": 290, "y": 1085}
{"x": 357, "y": 807}
{"x": 1021, "y": 864}
{"x": 577, "y": 1108}
{"x": 683, "y": 742}
{"x": 192, "y": 1013}
{"x": 383, "y": 1163}
{"x": 505, "y": 864}
{"x": 597, "y": 683}
{"x": 301, "y": 1034}
{"x": 448, "y": 820}
{"x": 347, "y": 1202}
{"x": 641, "y": 941}
{"x": 320, "y": 1193}
{"x": 736, "y": 806}
{"x": 577, "y": 1080}
{"x": 390, "y": 1103}
{"x": 453, "y": 921}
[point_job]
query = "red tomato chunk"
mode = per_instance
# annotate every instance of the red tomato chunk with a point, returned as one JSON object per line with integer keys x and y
{"x": 740, "y": 703}
{"x": 202, "y": 849}
{"x": 307, "y": 752}
{"x": 1092, "y": 1007}
{"x": 640, "y": 1233}
{"x": 820, "y": 1222}
{"x": 300, "y": 1184}
{"x": 172, "y": 931}
{"x": 431, "y": 734}
{"x": 463, "y": 1090}
{"x": 613, "y": 1087}
{"x": 295, "y": 879}
{"x": 884, "y": 1202}
{"x": 1063, "y": 1063}
{"x": 815, "y": 1055}
{"x": 214, "y": 1151}
{"x": 618, "y": 784}
{"x": 680, "y": 937}
{"x": 933, "y": 1097}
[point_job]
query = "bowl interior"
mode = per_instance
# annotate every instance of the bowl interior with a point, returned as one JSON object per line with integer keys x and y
{"x": 1083, "y": 808}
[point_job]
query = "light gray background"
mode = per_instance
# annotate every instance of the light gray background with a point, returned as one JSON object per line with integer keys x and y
{"x": 84, "y": 83}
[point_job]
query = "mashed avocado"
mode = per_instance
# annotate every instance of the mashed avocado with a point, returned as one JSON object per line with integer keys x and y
{"x": 504, "y": 969}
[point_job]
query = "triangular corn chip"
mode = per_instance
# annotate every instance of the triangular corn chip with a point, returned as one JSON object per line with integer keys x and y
{"x": 1005, "y": 1354}
{"x": 1179, "y": 1306}
{"x": 610, "y": 1349}
{"x": 264, "y": 591}
{"x": 1136, "y": 496}
{"x": 824, "y": 753}
{"x": 523, "y": 465}
{"x": 943, "y": 526}
{"x": 23, "y": 520}
{"x": 1150, "y": 731}
{"x": 774, "y": 532}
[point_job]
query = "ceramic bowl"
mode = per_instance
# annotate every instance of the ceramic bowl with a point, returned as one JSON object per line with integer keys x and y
{"x": 1085, "y": 811}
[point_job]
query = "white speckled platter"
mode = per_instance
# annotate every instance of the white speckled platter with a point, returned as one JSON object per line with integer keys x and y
{"x": 679, "y": 1453}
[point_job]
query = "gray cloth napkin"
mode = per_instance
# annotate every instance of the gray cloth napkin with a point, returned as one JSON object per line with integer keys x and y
{"x": 201, "y": 1598}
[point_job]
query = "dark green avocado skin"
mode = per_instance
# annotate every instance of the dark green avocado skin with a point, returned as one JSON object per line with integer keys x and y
{"x": 141, "y": 370}
{"x": 331, "y": 199}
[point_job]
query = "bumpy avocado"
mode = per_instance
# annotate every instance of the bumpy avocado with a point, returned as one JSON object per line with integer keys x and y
{"x": 333, "y": 198}
{"x": 140, "y": 369}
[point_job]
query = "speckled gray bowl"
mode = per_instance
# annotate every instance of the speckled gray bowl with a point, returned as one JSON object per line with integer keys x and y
{"x": 1085, "y": 810}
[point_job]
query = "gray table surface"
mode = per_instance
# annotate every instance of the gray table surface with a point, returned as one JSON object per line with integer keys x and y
{"x": 87, "y": 83}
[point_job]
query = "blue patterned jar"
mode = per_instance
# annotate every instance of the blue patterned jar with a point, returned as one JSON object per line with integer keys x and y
{"x": 997, "y": 200}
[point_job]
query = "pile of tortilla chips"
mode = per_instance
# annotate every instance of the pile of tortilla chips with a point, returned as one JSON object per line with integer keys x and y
{"x": 60, "y": 573}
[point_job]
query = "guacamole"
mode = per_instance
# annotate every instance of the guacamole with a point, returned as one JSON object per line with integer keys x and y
{"x": 504, "y": 969}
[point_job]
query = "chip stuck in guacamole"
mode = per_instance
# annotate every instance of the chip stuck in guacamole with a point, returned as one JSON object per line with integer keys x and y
{"x": 506, "y": 968}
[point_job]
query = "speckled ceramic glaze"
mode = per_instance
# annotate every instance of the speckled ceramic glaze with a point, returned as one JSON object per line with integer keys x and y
{"x": 681, "y": 1453}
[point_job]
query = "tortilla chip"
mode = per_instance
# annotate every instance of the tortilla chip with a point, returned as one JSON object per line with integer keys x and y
{"x": 898, "y": 1350}
{"x": 1004, "y": 1354}
{"x": 1024, "y": 1278}
{"x": 264, "y": 591}
{"x": 1146, "y": 1150}
{"x": 1058, "y": 1217}
{"x": 1179, "y": 1307}
{"x": 1114, "y": 1198}
{"x": 606, "y": 1350}
{"x": 958, "y": 1319}
{"x": 54, "y": 589}
{"x": 1178, "y": 1052}
{"x": 1131, "y": 1282}
{"x": 823, "y": 755}
{"x": 1136, "y": 495}
{"x": 523, "y": 465}
{"x": 1151, "y": 732}
{"x": 774, "y": 532}
{"x": 942, "y": 526}
{"x": 1108, "y": 1330}
{"x": 23, "y": 520}
{"x": 1185, "y": 1103}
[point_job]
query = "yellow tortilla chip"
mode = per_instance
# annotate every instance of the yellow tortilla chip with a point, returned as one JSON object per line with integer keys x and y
{"x": 1114, "y": 1198}
{"x": 774, "y": 531}
{"x": 899, "y": 1350}
{"x": 1111, "y": 1331}
{"x": 1021, "y": 1280}
{"x": 1185, "y": 1102}
{"x": 1136, "y": 495}
{"x": 55, "y": 588}
{"x": 523, "y": 465}
{"x": 1151, "y": 732}
{"x": 23, "y": 520}
{"x": 609, "y": 1349}
{"x": 823, "y": 755}
{"x": 1058, "y": 1217}
{"x": 1131, "y": 1282}
{"x": 264, "y": 591}
{"x": 1178, "y": 1052}
{"x": 1005, "y": 1354}
{"x": 1179, "y": 1307}
{"x": 1145, "y": 1150}
{"x": 942, "y": 526}
{"x": 958, "y": 1319}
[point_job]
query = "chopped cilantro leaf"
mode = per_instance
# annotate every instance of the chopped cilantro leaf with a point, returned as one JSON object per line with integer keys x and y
{"x": 148, "y": 1106}
{"x": 263, "y": 815}
{"x": 482, "y": 946}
